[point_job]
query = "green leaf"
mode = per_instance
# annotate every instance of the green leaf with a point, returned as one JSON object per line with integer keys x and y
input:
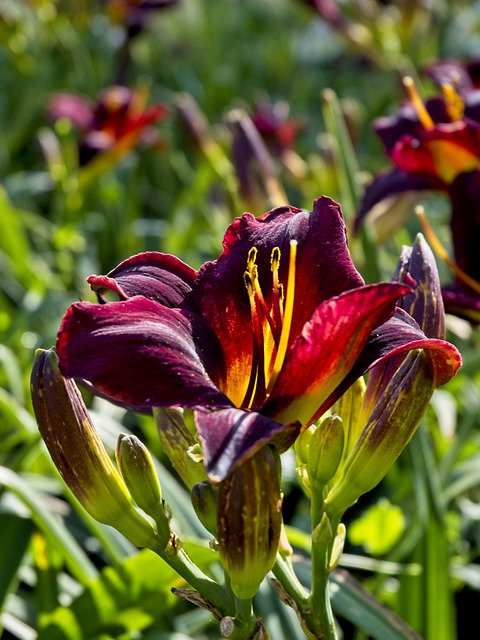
{"x": 15, "y": 533}
{"x": 50, "y": 524}
{"x": 356, "y": 604}
{"x": 131, "y": 597}
{"x": 378, "y": 528}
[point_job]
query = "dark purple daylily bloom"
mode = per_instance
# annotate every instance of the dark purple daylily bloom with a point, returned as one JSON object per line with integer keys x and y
{"x": 439, "y": 150}
{"x": 115, "y": 123}
{"x": 259, "y": 342}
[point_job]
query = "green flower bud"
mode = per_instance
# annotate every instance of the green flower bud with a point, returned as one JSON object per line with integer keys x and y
{"x": 205, "y": 503}
{"x": 178, "y": 442}
{"x": 387, "y": 432}
{"x": 302, "y": 444}
{"x": 249, "y": 522}
{"x": 79, "y": 454}
{"x": 325, "y": 450}
{"x": 140, "y": 476}
{"x": 349, "y": 408}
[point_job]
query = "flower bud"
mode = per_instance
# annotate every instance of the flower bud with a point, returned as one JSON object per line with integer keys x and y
{"x": 79, "y": 454}
{"x": 391, "y": 425}
{"x": 258, "y": 183}
{"x": 205, "y": 503}
{"x": 302, "y": 444}
{"x": 249, "y": 522}
{"x": 325, "y": 450}
{"x": 424, "y": 303}
{"x": 178, "y": 442}
{"x": 140, "y": 476}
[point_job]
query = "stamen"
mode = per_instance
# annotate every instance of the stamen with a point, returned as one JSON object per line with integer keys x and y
{"x": 453, "y": 102}
{"x": 417, "y": 102}
{"x": 277, "y": 292}
{"x": 252, "y": 271}
{"x": 442, "y": 252}
{"x": 287, "y": 317}
{"x": 257, "y": 375}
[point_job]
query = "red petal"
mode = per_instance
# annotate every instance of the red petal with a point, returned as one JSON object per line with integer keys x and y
{"x": 325, "y": 352}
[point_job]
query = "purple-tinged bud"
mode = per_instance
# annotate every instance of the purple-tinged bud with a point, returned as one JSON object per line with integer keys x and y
{"x": 79, "y": 454}
{"x": 425, "y": 302}
{"x": 250, "y": 521}
{"x": 205, "y": 503}
{"x": 392, "y": 423}
{"x": 259, "y": 185}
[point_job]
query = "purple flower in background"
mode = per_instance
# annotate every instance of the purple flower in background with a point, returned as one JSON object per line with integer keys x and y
{"x": 436, "y": 146}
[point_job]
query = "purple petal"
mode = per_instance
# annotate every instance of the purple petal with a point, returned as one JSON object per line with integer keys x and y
{"x": 465, "y": 197}
{"x": 142, "y": 354}
{"x": 157, "y": 276}
{"x": 424, "y": 302}
{"x": 388, "y": 184}
{"x": 231, "y": 435}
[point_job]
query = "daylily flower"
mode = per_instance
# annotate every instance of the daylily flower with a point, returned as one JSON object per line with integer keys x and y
{"x": 113, "y": 124}
{"x": 259, "y": 342}
{"x": 436, "y": 146}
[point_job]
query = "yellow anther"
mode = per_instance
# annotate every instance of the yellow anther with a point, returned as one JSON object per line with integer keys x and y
{"x": 453, "y": 102}
{"x": 277, "y": 291}
{"x": 252, "y": 268}
{"x": 275, "y": 259}
{"x": 287, "y": 316}
{"x": 417, "y": 103}
{"x": 442, "y": 252}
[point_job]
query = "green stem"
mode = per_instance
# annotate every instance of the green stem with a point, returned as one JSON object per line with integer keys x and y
{"x": 213, "y": 592}
{"x": 323, "y": 534}
{"x": 285, "y": 574}
{"x": 245, "y": 621}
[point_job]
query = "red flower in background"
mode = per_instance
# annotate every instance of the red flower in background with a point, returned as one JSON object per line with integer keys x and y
{"x": 114, "y": 123}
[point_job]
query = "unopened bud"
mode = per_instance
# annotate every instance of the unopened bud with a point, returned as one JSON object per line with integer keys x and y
{"x": 302, "y": 444}
{"x": 249, "y": 522}
{"x": 140, "y": 476}
{"x": 79, "y": 454}
{"x": 387, "y": 432}
{"x": 325, "y": 450}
